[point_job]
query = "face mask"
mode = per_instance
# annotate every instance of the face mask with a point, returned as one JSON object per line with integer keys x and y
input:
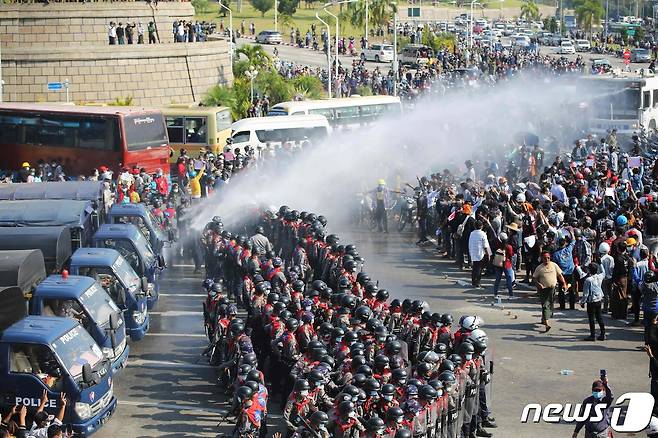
{"x": 175, "y": 190}
{"x": 388, "y": 397}
{"x": 598, "y": 395}
{"x": 374, "y": 394}
{"x": 303, "y": 394}
{"x": 399, "y": 420}
{"x": 439, "y": 392}
{"x": 469, "y": 356}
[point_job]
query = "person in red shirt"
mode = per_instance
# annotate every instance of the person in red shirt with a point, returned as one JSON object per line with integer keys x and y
{"x": 504, "y": 253}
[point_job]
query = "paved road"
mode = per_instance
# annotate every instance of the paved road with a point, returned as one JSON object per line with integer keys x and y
{"x": 310, "y": 57}
{"x": 315, "y": 59}
{"x": 167, "y": 391}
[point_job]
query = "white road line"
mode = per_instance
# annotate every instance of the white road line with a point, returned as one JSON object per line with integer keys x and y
{"x": 178, "y": 335}
{"x": 166, "y": 364}
{"x": 182, "y": 265}
{"x": 183, "y": 295}
{"x": 177, "y": 313}
{"x": 175, "y": 407}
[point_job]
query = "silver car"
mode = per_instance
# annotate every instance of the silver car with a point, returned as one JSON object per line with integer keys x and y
{"x": 269, "y": 37}
{"x": 640, "y": 55}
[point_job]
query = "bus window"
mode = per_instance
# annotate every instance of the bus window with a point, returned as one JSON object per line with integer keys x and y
{"x": 224, "y": 120}
{"x": 175, "y": 129}
{"x": 143, "y": 132}
{"x": 297, "y": 113}
{"x": 60, "y": 131}
{"x": 316, "y": 134}
{"x": 196, "y": 130}
{"x": 646, "y": 99}
{"x": 655, "y": 98}
{"x": 241, "y": 137}
{"x": 327, "y": 112}
{"x": 393, "y": 108}
{"x": 347, "y": 113}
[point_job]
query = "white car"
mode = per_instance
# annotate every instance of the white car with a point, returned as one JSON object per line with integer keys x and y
{"x": 566, "y": 48}
{"x": 378, "y": 53}
{"x": 582, "y": 46}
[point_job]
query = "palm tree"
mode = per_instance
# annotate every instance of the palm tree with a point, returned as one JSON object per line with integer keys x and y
{"x": 530, "y": 10}
{"x": 379, "y": 12}
{"x": 220, "y": 95}
{"x": 256, "y": 55}
{"x": 589, "y": 12}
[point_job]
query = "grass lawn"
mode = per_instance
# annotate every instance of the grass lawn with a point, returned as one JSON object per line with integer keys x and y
{"x": 304, "y": 16}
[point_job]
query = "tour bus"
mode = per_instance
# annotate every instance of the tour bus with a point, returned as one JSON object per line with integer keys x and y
{"x": 345, "y": 112}
{"x": 193, "y": 128}
{"x": 264, "y": 132}
{"x": 627, "y": 103}
{"x": 82, "y": 138}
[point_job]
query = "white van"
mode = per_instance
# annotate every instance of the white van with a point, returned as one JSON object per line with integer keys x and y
{"x": 262, "y": 132}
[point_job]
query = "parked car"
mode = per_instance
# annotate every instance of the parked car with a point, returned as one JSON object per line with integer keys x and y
{"x": 378, "y": 53}
{"x": 582, "y": 46}
{"x": 566, "y": 48}
{"x": 640, "y": 55}
{"x": 269, "y": 37}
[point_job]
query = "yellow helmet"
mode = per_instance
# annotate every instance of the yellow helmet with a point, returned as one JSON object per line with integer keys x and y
{"x": 381, "y": 182}
{"x": 25, "y": 164}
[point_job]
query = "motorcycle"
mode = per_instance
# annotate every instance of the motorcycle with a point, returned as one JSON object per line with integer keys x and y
{"x": 407, "y": 212}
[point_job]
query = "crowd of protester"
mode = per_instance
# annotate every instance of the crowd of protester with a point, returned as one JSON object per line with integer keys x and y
{"x": 581, "y": 228}
{"x": 342, "y": 357}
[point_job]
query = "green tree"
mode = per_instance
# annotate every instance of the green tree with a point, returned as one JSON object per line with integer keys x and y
{"x": 262, "y": 6}
{"x": 122, "y": 101}
{"x": 364, "y": 90}
{"x": 307, "y": 87}
{"x": 288, "y": 7}
{"x": 256, "y": 55}
{"x": 442, "y": 41}
{"x": 200, "y": 6}
{"x": 222, "y": 12}
{"x": 270, "y": 82}
{"x": 379, "y": 12}
{"x": 588, "y": 12}
{"x": 220, "y": 95}
{"x": 530, "y": 10}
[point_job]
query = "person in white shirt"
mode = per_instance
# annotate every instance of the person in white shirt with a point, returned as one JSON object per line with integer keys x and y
{"x": 112, "y": 33}
{"x": 607, "y": 264}
{"x": 592, "y": 297}
{"x": 479, "y": 250}
{"x": 42, "y": 421}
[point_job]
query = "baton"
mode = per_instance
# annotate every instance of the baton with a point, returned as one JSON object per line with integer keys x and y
{"x": 308, "y": 427}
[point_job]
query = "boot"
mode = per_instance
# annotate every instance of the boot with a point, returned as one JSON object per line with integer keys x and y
{"x": 484, "y": 433}
{"x": 488, "y": 422}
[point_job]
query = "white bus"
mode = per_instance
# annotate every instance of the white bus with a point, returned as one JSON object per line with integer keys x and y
{"x": 627, "y": 103}
{"x": 264, "y": 132}
{"x": 343, "y": 112}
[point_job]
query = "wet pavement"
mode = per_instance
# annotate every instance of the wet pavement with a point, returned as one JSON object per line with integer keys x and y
{"x": 168, "y": 390}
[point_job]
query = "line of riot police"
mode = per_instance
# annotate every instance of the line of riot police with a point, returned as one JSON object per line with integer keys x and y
{"x": 341, "y": 357}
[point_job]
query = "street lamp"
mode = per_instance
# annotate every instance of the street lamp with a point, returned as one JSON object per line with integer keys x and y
{"x": 395, "y": 48}
{"x": 230, "y": 29}
{"x": 366, "y": 23}
{"x": 276, "y": 15}
{"x": 470, "y": 25}
{"x": 251, "y": 74}
{"x": 324, "y": 8}
{"x": 317, "y": 15}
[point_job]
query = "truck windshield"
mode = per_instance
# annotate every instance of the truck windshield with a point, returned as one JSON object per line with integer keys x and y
{"x": 144, "y": 249}
{"x": 126, "y": 274}
{"x": 98, "y": 304}
{"x": 76, "y": 348}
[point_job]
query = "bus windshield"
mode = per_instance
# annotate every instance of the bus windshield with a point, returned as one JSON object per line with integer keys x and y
{"x": 613, "y": 102}
{"x": 98, "y": 304}
{"x": 76, "y": 348}
{"x": 145, "y": 131}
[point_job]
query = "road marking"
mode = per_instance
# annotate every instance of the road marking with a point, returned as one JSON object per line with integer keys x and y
{"x": 182, "y": 265}
{"x": 178, "y": 335}
{"x": 176, "y": 407}
{"x": 183, "y": 295}
{"x": 177, "y": 313}
{"x": 166, "y": 364}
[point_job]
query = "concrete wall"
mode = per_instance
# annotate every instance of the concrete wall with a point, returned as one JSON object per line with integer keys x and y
{"x": 152, "y": 75}
{"x": 83, "y": 23}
